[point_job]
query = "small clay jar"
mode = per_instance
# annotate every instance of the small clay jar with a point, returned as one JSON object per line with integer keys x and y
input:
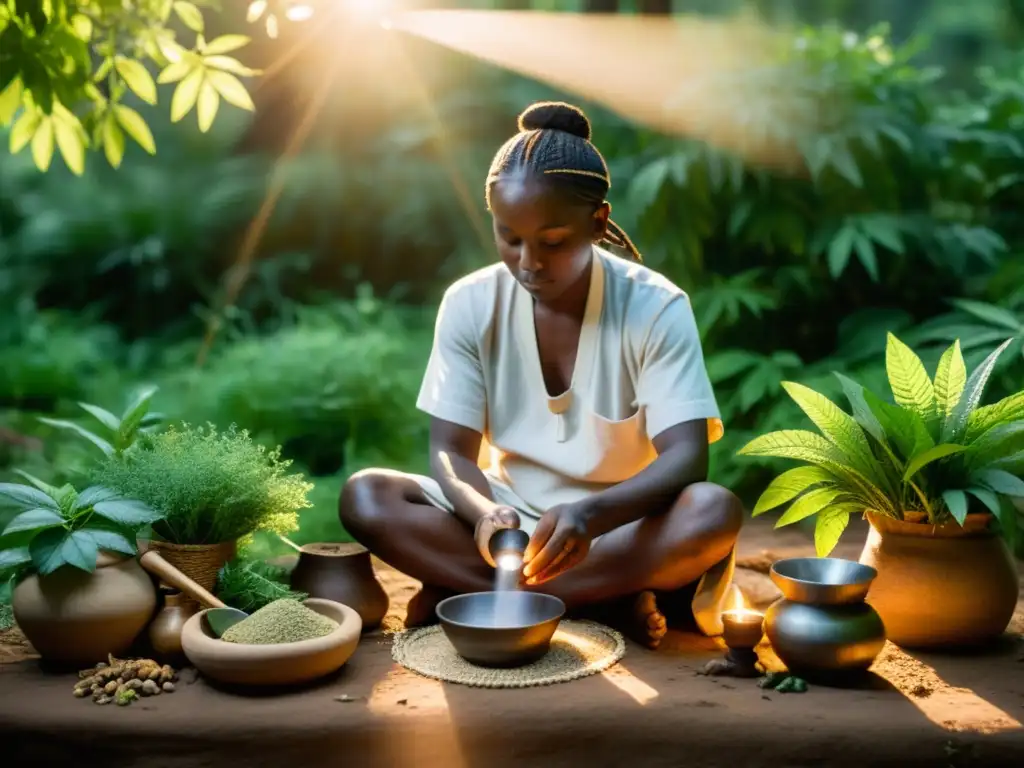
{"x": 342, "y": 573}
{"x": 165, "y": 629}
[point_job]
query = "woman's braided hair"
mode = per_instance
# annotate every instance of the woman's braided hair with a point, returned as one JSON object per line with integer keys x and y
{"x": 554, "y": 142}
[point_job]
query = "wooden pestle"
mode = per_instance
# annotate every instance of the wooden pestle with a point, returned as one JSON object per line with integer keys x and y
{"x": 155, "y": 564}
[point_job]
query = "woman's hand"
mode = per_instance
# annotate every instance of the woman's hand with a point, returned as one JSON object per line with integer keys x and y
{"x": 499, "y": 517}
{"x": 561, "y": 541}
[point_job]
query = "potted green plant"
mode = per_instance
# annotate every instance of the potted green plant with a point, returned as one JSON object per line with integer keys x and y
{"x": 935, "y": 473}
{"x": 79, "y": 592}
{"x": 212, "y": 488}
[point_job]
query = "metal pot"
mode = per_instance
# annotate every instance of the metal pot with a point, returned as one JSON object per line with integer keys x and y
{"x": 822, "y": 622}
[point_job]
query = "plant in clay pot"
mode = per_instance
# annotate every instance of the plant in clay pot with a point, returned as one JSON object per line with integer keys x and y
{"x": 79, "y": 592}
{"x": 936, "y": 474}
{"x": 213, "y": 488}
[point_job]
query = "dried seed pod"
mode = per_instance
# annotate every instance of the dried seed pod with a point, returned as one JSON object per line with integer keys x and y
{"x": 111, "y": 687}
{"x": 150, "y": 688}
{"x": 103, "y": 699}
{"x": 167, "y": 674}
{"x": 81, "y": 693}
{"x": 169, "y": 687}
{"x": 133, "y": 685}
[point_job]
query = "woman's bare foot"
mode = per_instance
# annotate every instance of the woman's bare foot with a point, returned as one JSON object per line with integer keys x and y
{"x": 421, "y": 611}
{"x": 636, "y": 616}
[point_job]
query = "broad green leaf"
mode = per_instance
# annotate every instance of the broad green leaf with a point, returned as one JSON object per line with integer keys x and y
{"x": 23, "y": 131}
{"x": 96, "y": 440}
{"x": 829, "y": 527}
{"x": 1008, "y": 523}
{"x": 102, "y": 415}
{"x": 126, "y": 512}
{"x": 950, "y": 378}
{"x": 1014, "y": 464}
{"x": 14, "y": 556}
{"x": 904, "y": 427}
{"x": 923, "y": 459}
{"x": 789, "y": 485}
{"x": 52, "y": 491}
{"x": 810, "y": 503}
{"x": 956, "y": 503}
{"x": 190, "y": 15}
{"x": 956, "y": 424}
{"x": 1000, "y": 481}
{"x": 799, "y": 444}
{"x": 991, "y": 313}
{"x": 839, "y": 250}
{"x": 231, "y": 89}
{"x": 861, "y": 412}
{"x": 838, "y": 426}
{"x": 113, "y": 141}
{"x": 207, "y": 104}
{"x": 136, "y": 410}
{"x": 911, "y": 386}
{"x": 55, "y": 547}
{"x": 986, "y": 497}
{"x": 71, "y": 144}
{"x": 10, "y": 101}
{"x": 996, "y": 444}
{"x": 866, "y": 255}
{"x": 842, "y": 160}
{"x": 225, "y": 44}
{"x": 33, "y": 520}
{"x": 185, "y": 94}
{"x": 135, "y": 126}
{"x": 228, "y": 64}
{"x": 110, "y": 540}
{"x": 42, "y": 145}
{"x": 24, "y": 497}
{"x": 82, "y": 25}
{"x": 1010, "y": 408}
{"x": 174, "y": 72}
{"x": 95, "y": 494}
{"x": 136, "y": 77}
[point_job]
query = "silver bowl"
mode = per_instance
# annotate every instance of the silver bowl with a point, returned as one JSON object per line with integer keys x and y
{"x": 500, "y": 629}
{"x": 822, "y": 580}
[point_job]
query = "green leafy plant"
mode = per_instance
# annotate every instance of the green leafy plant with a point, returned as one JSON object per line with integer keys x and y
{"x": 249, "y": 584}
{"x": 934, "y": 455}
{"x": 121, "y": 432}
{"x": 211, "y": 486}
{"x": 56, "y": 527}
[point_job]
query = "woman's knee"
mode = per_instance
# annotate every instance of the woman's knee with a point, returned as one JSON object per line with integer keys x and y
{"x": 719, "y": 511}
{"x": 366, "y": 498}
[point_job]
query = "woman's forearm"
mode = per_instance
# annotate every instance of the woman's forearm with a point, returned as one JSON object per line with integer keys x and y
{"x": 651, "y": 491}
{"x": 463, "y": 484}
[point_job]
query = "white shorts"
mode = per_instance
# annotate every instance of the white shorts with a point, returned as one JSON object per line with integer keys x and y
{"x": 503, "y": 494}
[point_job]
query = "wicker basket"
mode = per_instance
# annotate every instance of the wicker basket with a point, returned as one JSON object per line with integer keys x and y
{"x": 200, "y": 562}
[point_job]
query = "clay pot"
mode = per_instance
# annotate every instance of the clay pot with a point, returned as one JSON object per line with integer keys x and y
{"x": 165, "y": 629}
{"x": 942, "y": 585}
{"x": 342, "y": 573}
{"x": 276, "y": 664}
{"x": 200, "y": 562}
{"x": 74, "y": 617}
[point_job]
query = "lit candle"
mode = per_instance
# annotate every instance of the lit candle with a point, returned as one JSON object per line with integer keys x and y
{"x": 742, "y": 628}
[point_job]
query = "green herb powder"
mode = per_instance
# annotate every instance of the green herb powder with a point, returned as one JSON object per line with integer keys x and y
{"x": 282, "y": 621}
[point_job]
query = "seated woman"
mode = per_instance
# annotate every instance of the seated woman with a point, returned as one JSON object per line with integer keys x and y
{"x": 584, "y": 373}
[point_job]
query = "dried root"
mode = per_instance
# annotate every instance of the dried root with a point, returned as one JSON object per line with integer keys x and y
{"x": 124, "y": 680}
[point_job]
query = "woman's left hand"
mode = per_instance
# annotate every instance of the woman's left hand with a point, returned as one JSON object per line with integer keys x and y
{"x": 560, "y": 542}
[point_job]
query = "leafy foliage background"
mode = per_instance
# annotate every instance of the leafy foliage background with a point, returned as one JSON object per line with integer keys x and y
{"x": 906, "y": 220}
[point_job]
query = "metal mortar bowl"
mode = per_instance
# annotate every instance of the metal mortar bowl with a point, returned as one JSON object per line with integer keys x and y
{"x": 822, "y": 580}
{"x": 500, "y": 629}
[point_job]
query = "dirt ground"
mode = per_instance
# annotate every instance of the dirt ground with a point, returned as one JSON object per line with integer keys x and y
{"x": 652, "y": 709}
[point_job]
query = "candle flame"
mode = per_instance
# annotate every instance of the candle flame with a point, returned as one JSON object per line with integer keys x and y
{"x": 738, "y": 605}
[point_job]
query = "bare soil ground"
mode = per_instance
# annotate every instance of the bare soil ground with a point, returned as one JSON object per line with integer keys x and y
{"x": 652, "y": 709}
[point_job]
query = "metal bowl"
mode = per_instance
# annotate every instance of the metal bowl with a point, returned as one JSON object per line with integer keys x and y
{"x": 500, "y": 629}
{"x": 822, "y": 580}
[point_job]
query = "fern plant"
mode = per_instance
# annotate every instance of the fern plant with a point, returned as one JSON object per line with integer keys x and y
{"x": 933, "y": 455}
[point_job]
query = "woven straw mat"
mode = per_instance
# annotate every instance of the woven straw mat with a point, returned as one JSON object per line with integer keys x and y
{"x": 578, "y": 649}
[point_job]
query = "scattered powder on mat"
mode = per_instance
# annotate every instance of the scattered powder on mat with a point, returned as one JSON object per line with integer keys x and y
{"x": 282, "y": 621}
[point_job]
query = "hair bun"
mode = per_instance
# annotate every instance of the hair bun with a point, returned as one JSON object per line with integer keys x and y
{"x": 555, "y": 116}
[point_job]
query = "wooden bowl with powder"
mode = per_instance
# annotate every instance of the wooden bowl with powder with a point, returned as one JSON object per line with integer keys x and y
{"x": 255, "y": 662}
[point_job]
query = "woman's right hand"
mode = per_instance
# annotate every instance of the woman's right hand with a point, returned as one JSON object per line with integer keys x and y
{"x": 499, "y": 517}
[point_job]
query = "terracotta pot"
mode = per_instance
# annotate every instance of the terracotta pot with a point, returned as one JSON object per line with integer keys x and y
{"x": 200, "y": 562}
{"x": 342, "y": 573}
{"x": 165, "y": 629}
{"x": 942, "y": 585}
{"x": 74, "y": 617}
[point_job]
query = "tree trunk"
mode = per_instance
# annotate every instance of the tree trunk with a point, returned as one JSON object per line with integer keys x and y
{"x": 655, "y": 7}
